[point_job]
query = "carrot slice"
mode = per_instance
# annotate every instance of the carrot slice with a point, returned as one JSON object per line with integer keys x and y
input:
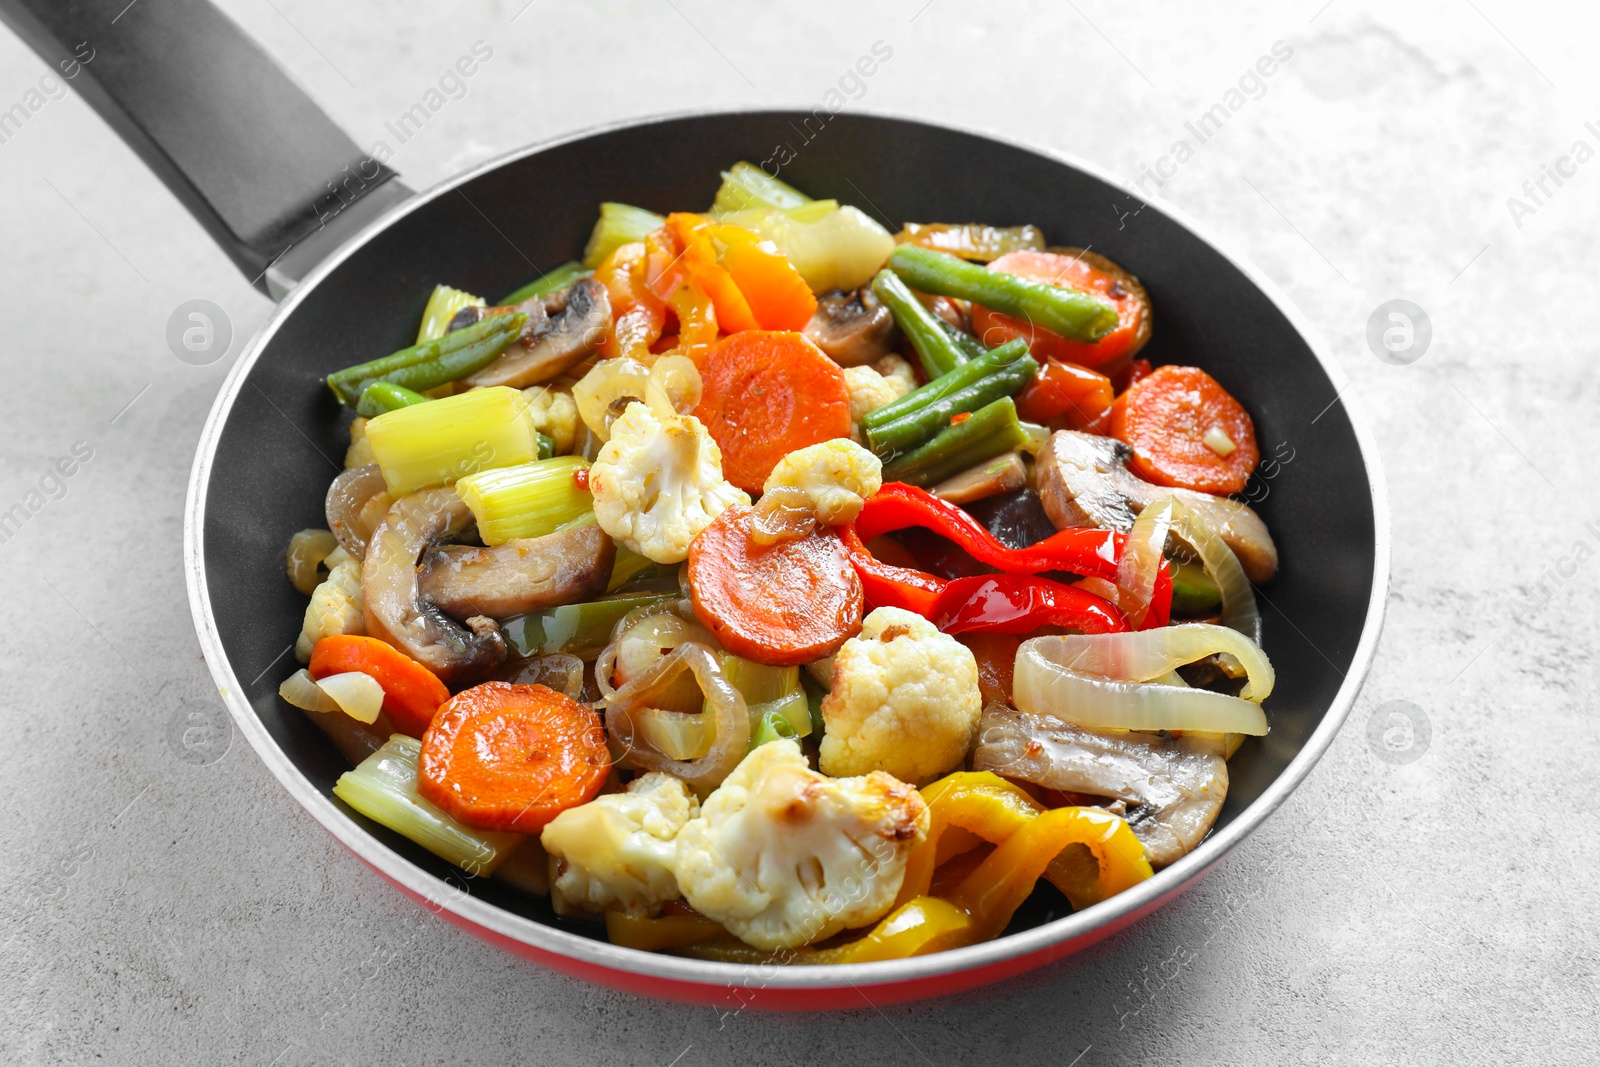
{"x": 766, "y": 393}
{"x": 1086, "y": 272}
{"x": 787, "y": 603}
{"x": 1180, "y": 422}
{"x": 512, "y": 757}
{"x": 411, "y": 692}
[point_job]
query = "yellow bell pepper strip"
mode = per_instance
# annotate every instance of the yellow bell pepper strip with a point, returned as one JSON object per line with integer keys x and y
{"x": 694, "y": 236}
{"x": 778, "y": 296}
{"x": 916, "y": 928}
{"x": 697, "y": 322}
{"x": 992, "y": 893}
{"x": 666, "y": 931}
{"x": 994, "y": 809}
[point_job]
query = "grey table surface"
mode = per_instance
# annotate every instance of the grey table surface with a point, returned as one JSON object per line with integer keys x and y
{"x": 1425, "y": 897}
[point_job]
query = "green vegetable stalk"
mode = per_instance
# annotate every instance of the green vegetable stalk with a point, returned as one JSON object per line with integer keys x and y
{"x": 922, "y": 423}
{"x": 983, "y": 435}
{"x": 619, "y": 224}
{"x": 936, "y": 351}
{"x": 1068, "y": 312}
{"x": 581, "y": 629}
{"x": 555, "y": 280}
{"x": 432, "y": 363}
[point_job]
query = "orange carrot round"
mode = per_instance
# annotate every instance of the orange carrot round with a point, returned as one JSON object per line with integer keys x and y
{"x": 766, "y": 393}
{"x": 1186, "y": 431}
{"x": 411, "y": 692}
{"x": 1086, "y": 272}
{"x": 512, "y": 757}
{"x": 782, "y": 604}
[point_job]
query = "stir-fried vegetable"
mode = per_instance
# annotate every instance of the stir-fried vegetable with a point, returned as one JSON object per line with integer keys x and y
{"x": 442, "y": 307}
{"x": 442, "y": 441}
{"x": 590, "y": 435}
{"x": 384, "y": 789}
{"x": 619, "y": 224}
{"x": 529, "y": 500}
{"x": 432, "y": 363}
{"x": 1080, "y": 316}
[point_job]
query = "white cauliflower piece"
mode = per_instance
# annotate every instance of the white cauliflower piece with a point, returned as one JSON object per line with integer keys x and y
{"x": 873, "y": 387}
{"x": 554, "y": 414}
{"x": 359, "y": 454}
{"x": 836, "y": 476}
{"x": 618, "y": 850}
{"x": 905, "y": 700}
{"x": 658, "y": 482}
{"x": 335, "y": 606}
{"x": 783, "y": 856}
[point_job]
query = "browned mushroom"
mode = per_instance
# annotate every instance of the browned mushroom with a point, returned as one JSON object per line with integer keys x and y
{"x": 1084, "y": 480}
{"x": 392, "y": 599}
{"x": 852, "y": 326}
{"x": 346, "y": 506}
{"x": 567, "y": 326}
{"x": 521, "y": 575}
{"x": 1169, "y": 789}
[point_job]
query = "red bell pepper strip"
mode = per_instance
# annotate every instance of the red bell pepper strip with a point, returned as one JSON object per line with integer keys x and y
{"x": 1021, "y": 604}
{"x": 1086, "y": 552}
{"x": 885, "y": 585}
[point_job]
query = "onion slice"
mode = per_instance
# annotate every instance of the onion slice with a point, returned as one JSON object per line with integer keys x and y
{"x": 1141, "y": 561}
{"x": 1118, "y": 681}
{"x": 302, "y": 691}
{"x": 724, "y": 705}
{"x": 358, "y": 695}
{"x": 1199, "y": 529}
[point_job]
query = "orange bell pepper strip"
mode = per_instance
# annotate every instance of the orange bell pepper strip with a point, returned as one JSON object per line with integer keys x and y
{"x": 639, "y": 313}
{"x": 697, "y": 322}
{"x": 700, "y": 255}
{"x": 778, "y": 297}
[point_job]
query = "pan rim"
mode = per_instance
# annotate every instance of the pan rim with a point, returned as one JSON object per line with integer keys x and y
{"x": 709, "y": 974}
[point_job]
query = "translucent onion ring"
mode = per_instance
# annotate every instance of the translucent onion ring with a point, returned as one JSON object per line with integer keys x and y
{"x": 1238, "y": 598}
{"x": 1141, "y": 560}
{"x": 723, "y": 703}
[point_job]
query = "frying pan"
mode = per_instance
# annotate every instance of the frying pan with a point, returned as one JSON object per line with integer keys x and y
{"x": 350, "y": 254}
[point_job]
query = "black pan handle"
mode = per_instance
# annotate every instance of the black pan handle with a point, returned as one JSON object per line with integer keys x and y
{"x": 276, "y": 184}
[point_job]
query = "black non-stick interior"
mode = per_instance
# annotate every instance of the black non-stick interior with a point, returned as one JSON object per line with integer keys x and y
{"x": 283, "y": 440}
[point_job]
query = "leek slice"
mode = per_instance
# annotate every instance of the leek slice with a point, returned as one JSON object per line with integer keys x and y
{"x": 528, "y": 500}
{"x": 442, "y": 307}
{"x": 444, "y": 440}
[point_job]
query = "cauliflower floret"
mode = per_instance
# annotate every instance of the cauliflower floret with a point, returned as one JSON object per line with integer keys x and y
{"x": 554, "y": 414}
{"x": 359, "y": 454}
{"x": 782, "y": 856}
{"x": 837, "y": 476}
{"x": 618, "y": 850}
{"x": 658, "y": 482}
{"x": 905, "y": 700}
{"x": 335, "y": 606}
{"x": 872, "y": 387}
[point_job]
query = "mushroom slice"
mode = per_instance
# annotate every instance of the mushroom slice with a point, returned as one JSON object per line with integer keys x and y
{"x": 347, "y": 497}
{"x": 1084, "y": 480}
{"x": 1170, "y": 789}
{"x": 524, "y": 574}
{"x": 852, "y": 326}
{"x": 392, "y": 599}
{"x": 580, "y": 318}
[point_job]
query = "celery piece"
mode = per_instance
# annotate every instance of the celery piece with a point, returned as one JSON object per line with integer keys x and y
{"x": 443, "y": 440}
{"x": 384, "y": 789}
{"x": 579, "y": 629}
{"x": 790, "y": 710}
{"x": 619, "y": 224}
{"x": 442, "y": 307}
{"x": 528, "y": 500}
{"x": 757, "y": 682}
{"x": 757, "y": 217}
{"x": 552, "y": 281}
{"x": 674, "y": 734}
{"x": 627, "y": 566}
{"x": 745, "y": 186}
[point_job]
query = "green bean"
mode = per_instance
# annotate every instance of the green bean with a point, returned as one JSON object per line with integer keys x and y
{"x": 580, "y": 629}
{"x": 985, "y": 434}
{"x": 547, "y": 445}
{"x": 553, "y": 281}
{"x": 380, "y": 397}
{"x": 919, "y": 426}
{"x": 969, "y": 344}
{"x": 350, "y": 383}
{"x": 1068, "y": 312}
{"x": 937, "y": 352}
{"x": 459, "y": 363}
{"x": 967, "y": 374}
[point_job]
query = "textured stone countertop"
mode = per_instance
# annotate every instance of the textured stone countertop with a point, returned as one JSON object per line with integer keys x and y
{"x": 161, "y": 911}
